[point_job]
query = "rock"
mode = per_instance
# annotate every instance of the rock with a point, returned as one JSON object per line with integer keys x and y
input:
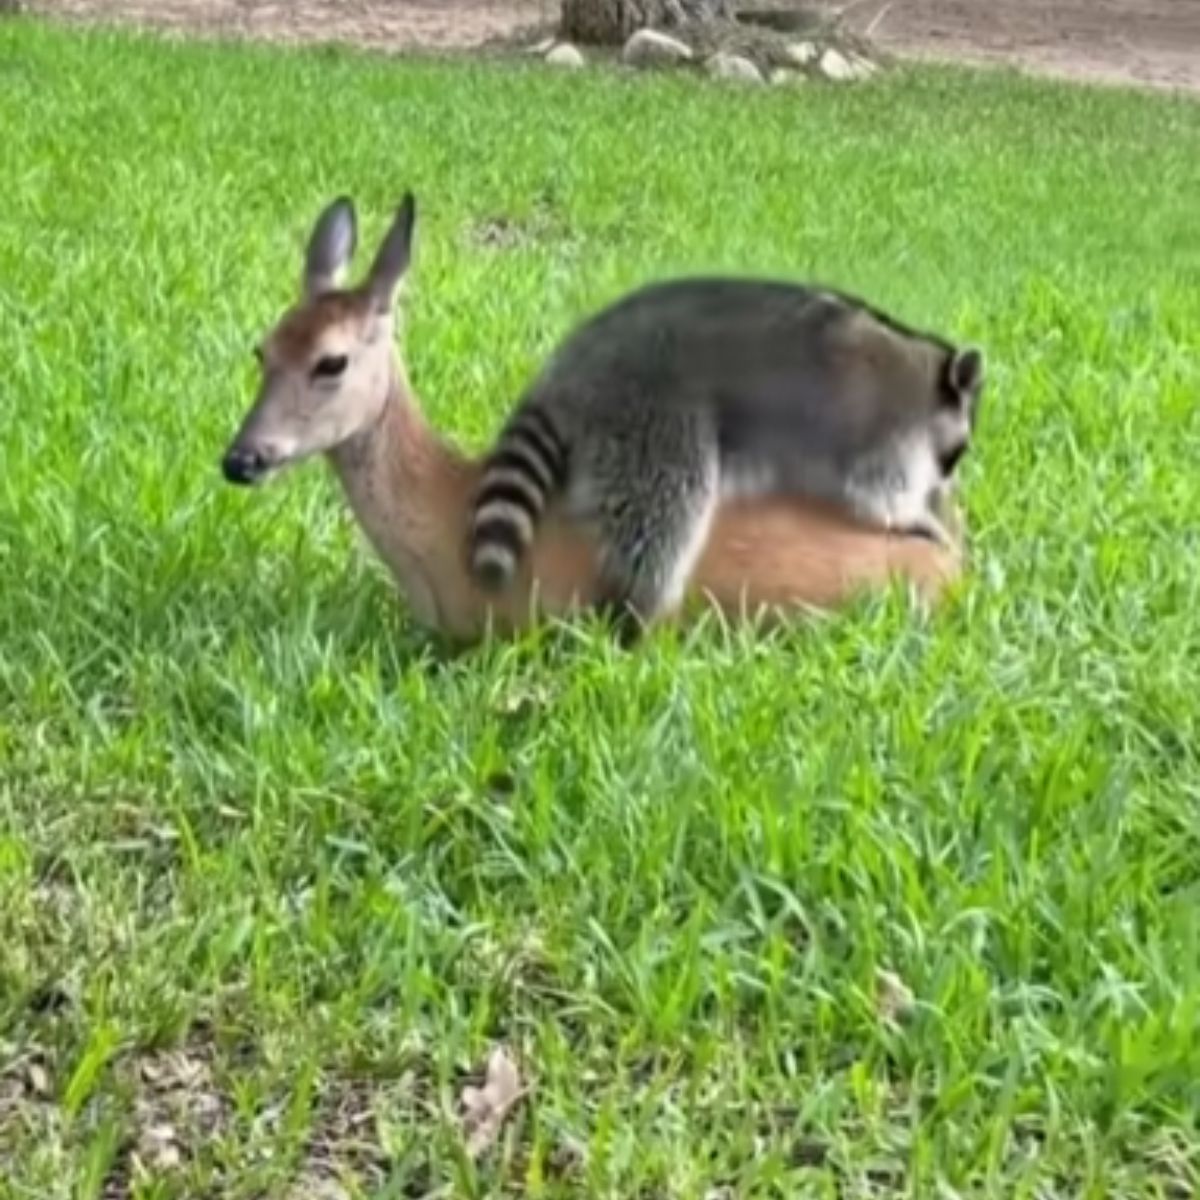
{"x": 782, "y": 77}
{"x": 733, "y": 67}
{"x": 649, "y": 48}
{"x": 836, "y": 66}
{"x": 566, "y": 55}
{"x": 802, "y": 53}
{"x": 865, "y": 67}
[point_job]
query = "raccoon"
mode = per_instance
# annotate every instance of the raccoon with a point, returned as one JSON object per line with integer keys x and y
{"x": 690, "y": 391}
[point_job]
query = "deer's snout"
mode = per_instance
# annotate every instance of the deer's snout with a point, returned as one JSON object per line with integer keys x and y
{"x": 246, "y": 464}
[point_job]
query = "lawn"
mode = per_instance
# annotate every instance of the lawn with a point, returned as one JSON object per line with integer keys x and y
{"x": 278, "y": 872}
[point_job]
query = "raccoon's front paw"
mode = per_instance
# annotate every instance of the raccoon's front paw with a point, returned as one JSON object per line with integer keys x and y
{"x": 928, "y": 527}
{"x": 617, "y": 611}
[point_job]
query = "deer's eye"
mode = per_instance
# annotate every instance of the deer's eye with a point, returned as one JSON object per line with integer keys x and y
{"x": 330, "y": 367}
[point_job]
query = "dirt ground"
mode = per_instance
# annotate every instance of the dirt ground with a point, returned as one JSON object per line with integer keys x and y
{"x": 1154, "y": 42}
{"x": 1150, "y": 42}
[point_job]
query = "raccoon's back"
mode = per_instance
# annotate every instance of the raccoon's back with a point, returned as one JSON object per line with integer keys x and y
{"x": 777, "y": 359}
{"x": 688, "y": 326}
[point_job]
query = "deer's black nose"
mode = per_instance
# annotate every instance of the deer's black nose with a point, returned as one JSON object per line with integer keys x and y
{"x": 244, "y": 465}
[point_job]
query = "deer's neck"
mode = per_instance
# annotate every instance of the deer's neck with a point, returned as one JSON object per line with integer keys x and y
{"x": 410, "y": 490}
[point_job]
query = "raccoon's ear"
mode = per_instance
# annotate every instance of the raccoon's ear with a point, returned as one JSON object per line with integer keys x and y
{"x": 964, "y": 376}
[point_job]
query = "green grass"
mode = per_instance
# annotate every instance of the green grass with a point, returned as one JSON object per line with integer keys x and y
{"x": 269, "y": 857}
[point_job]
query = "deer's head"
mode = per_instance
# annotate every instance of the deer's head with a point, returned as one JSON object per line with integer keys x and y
{"x": 326, "y": 364}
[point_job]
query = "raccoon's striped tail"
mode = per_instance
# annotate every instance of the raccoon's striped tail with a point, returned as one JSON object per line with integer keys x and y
{"x": 527, "y": 465}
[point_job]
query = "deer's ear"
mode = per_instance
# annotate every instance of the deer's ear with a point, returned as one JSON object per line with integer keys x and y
{"x": 331, "y": 246}
{"x": 394, "y": 255}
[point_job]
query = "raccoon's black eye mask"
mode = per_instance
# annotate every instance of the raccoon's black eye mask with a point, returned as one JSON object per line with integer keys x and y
{"x": 950, "y": 458}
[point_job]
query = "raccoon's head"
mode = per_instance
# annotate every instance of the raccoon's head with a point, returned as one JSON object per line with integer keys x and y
{"x": 960, "y": 388}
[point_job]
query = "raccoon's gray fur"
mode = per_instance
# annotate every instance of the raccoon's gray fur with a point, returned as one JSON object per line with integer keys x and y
{"x": 688, "y": 391}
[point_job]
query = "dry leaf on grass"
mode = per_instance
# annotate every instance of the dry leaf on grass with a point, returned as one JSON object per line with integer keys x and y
{"x": 25, "y": 1078}
{"x": 158, "y": 1148}
{"x": 177, "y": 1108}
{"x": 488, "y": 1107}
{"x": 893, "y": 997}
{"x": 39, "y": 1081}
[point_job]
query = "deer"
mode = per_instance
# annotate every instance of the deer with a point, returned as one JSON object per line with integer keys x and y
{"x": 333, "y": 384}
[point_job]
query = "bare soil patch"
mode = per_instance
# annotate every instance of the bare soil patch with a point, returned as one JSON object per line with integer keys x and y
{"x": 380, "y": 24}
{"x": 1148, "y": 42}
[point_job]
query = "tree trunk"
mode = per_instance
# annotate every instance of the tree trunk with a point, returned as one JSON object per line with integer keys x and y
{"x": 610, "y": 22}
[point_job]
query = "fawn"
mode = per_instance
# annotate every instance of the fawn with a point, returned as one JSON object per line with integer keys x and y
{"x": 333, "y": 383}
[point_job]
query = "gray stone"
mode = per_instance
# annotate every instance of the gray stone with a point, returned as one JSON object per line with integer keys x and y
{"x": 836, "y": 66}
{"x": 782, "y": 77}
{"x": 649, "y": 48}
{"x": 566, "y": 55}
{"x": 733, "y": 67}
{"x": 802, "y": 53}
